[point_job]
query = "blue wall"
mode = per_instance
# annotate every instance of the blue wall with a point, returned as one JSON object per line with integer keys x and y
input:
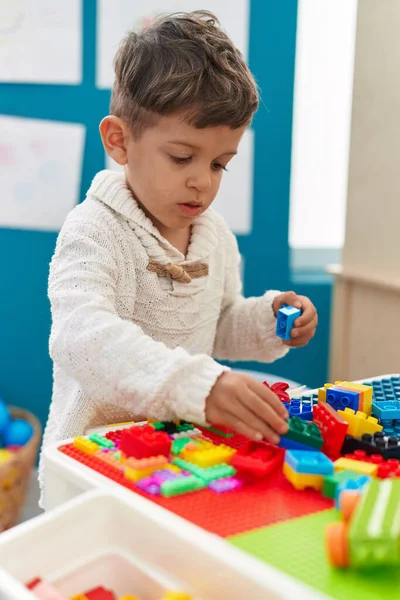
{"x": 25, "y": 372}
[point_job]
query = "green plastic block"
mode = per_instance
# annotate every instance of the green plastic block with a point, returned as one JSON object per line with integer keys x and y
{"x": 217, "y": 472}
{"x": 183, "y": 485}
{"x": 184, "y": 427}
{"x": 296, "y": 547}
{"x": 209, "y": 473}
{"x": 218, "y": 432}
{"x": 185, "y": 465}
{"x": 332, "y": 481}
{"x": 375, "y": 526}
{"x": 101, "y": 441}
{"x": 158, "y": 425}
{"x": 179, "y": 444}
{"x": 304, "y": 432}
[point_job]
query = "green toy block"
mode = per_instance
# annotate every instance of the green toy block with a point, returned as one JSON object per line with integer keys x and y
{"x": 158, "y": 425}
{"x": 179, "y": 444}
{"x": 374, "y": 531}
{"x": 218, "y": 432}
{"x": 209, "y": 473}
{"x": 184, "y": 427}
{"x": 306, "y": 433}
{"x": 101, "y": 441}
{"x": 183, "y": 485}
{"x": 332, "y": 481}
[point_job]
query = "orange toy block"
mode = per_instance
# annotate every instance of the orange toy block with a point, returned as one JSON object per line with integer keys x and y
{"x": 359, "y": 422}
{"x": 365, "y": 394}
{"x": 108, "y": 458}
{"x": 146, "y": 463}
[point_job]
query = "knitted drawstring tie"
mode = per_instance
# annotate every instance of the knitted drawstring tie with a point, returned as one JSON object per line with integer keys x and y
{"x": 183, "y": 274}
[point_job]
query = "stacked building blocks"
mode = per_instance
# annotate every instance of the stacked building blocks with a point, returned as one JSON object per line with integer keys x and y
{"x": 259, "y": 471}
{"x": 378, "y": 443}
{"x": 307, "y": 469}
{"x": 345, "y": 394}
{"x": 301, "y": 435}
{"x": 333, "y": 429}
{"x": 285, "y": 320}
{"x": 369, "y": 537}
{"x": 143, "y": 442}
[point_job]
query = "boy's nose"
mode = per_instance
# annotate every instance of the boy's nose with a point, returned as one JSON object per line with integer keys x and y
{"x": 200, "y": 181}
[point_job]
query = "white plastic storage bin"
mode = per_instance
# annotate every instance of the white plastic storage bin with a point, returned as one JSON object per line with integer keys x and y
{"x": 117, "y": 540}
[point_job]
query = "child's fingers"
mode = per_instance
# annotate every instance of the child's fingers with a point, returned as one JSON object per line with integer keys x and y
{"x": 266, "y": 413}
{"x": 308, "y": 315}
{"x": 269, "y": 397}
{"x": 305, "y": 331}
{"x": 241, "y": 416}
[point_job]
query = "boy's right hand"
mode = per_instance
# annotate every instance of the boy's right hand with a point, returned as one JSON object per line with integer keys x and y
{"x": 246, "y": 405}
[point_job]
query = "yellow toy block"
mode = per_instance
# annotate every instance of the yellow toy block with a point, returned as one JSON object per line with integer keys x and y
{"x": 302, "y": 481}
{"x": 173, "y": 468}
{"x": 176, "y": 596}
{"x": 80, "y": 597}
{"x": 348, "y": 464}
{"x": 365, "y": 391}
{"x": 359, "y": 423}
{"x": 137, "y": 474}
{"x": 322, "y": 392}
{"x": 5, "y": 456}
{"x": 86, "y": 446}
{"x": 210, "y": 457}
{"x": 129, "y": 598}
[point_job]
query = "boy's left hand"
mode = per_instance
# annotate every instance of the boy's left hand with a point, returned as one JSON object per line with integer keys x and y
{"x": 306, "y": 325}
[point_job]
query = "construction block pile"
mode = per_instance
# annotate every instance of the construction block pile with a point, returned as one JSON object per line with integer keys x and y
{"x": 46, "y": 591}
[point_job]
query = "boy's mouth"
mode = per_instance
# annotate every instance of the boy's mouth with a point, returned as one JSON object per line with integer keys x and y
{"x": 190, "y": 209}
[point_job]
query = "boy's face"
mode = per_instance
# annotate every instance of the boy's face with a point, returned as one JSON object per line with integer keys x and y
{"x": 174, "y": 169}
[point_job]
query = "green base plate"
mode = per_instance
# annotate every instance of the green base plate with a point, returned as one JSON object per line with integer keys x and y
{"x": 297, "y": 548}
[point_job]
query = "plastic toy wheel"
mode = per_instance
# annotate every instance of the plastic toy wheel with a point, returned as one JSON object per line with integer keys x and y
{"x": 348, "y": 502}
{"x": 336, "y": 545}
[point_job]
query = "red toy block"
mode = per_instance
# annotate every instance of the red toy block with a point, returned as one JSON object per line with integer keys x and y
{"x": 258, "y": 458}
{"x": 389, "y": 468}
{"x": 333, "y": 429}
{"x": 100, "y": 593}
{"x": 143, "y": 442}
{"x": 279, "y": 388}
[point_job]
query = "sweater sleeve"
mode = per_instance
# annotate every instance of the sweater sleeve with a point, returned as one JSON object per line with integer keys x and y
{"x": 111, "y": 358}
{"x": 247, "y": 326}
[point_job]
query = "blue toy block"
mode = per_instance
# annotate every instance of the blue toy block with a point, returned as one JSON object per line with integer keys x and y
{"x": 285, "y": 319}
{"x": 386, "y": 410}
{"x": 341, "y": 399}
{"x": 298, "y": 408}
{"x": 312, "y": 463}
{"x": 350, "y": 484}
{"x": 293, "y": 445}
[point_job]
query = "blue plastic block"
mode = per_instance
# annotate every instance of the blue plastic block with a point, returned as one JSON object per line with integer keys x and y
{"x": 298, "y": 408}
{"x": 341, "y": 399}
{"x": 312, "y": 463}
{"x": 293, "y": 445}
{"x": 350, "y": 484}
{"x": 285, "y": 319}
{"x": 386, "y": 410}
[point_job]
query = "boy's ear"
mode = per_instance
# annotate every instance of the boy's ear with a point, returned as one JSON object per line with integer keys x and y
{"x": 113, "y": 133}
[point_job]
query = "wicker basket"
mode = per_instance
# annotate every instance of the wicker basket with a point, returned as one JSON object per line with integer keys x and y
{"x": 15, "y": 473}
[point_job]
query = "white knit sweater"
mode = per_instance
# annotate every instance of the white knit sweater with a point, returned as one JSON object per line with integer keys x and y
{"x": 126, "y": 342}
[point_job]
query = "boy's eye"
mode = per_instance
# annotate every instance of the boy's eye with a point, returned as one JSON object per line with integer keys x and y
{"x": 217, "y": 166}
{"x": 181, "y": 160}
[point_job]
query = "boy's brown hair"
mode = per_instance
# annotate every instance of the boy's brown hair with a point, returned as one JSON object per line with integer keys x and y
{"x": 182, "y": 62}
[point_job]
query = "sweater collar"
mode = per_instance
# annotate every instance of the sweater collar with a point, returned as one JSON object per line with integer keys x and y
{"x": 110, "y": 188}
